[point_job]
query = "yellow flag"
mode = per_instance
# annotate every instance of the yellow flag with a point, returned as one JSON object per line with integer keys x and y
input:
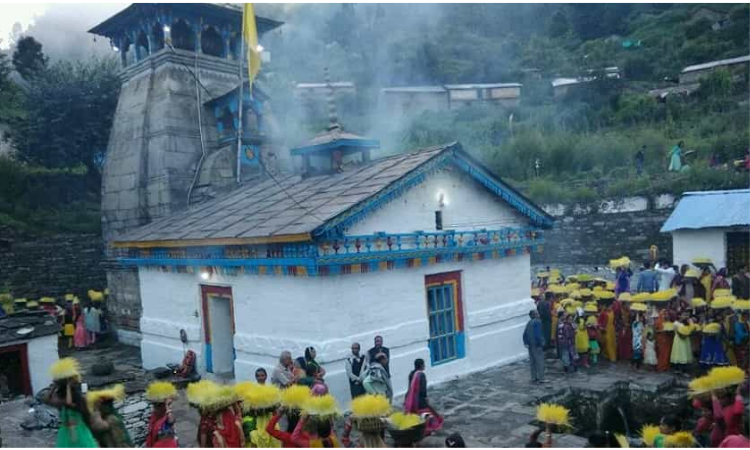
{"x": 251, "y": 42}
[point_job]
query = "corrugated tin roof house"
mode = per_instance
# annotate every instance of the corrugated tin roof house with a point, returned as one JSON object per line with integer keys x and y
{"x": 713, "y": 224}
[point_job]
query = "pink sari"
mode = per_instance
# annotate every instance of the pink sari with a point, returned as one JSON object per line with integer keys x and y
{"x": 411, "y": 404}
{"x": 80, "y": 338}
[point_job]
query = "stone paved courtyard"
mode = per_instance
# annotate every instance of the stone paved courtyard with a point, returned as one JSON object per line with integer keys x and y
{"x": 493, "y": 408}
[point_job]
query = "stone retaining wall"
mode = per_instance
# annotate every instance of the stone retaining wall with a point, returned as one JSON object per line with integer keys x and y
{"x": 33, "y": 267}
{"x": 136, "y": 411}
{"x": 594, "y": 234}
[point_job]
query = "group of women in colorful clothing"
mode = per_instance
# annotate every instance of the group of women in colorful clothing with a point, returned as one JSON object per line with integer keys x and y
{"x": 589, "y": 317}
{"x": 82, "y": 324}
{"x": 85, "y": 420}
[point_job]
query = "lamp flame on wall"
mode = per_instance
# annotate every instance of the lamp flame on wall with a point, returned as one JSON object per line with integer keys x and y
{"x": 442, "y": 199}
{"x": 206, "y": 273}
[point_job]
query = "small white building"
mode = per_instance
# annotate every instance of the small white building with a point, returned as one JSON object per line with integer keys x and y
{"x": 428, "y": 249}
{"x": 713, "y": 224}
{"x": 737, "y": 67}
{"x": 28, "y": 347}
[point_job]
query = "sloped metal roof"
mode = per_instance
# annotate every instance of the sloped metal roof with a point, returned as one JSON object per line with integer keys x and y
{"x": 26, "y": 325}
{"x": 710, "y": 209}
{"x": 294, "y": 206}
{"x": 721, "y": 62}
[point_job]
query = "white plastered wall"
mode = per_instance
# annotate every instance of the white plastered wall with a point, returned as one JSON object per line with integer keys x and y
{"x": 41, "y": 354}
{"x": 706, "y": 242}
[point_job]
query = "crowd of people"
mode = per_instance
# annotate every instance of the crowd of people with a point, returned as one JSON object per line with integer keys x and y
{"x": 689, "y": 320}
{"x": 81, "y": 323}
{"x": 245, "y": 414}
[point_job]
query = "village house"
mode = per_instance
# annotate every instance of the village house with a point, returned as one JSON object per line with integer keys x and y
{"x": 737, "y": 67}
{"x": 417, "y": 99}
{"x": 28, "y": 346}
{"x": 711, "y": 224}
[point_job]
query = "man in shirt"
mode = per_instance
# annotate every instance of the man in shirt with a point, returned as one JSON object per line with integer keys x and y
{"x": 283, "y": 374}
{"x": 534, "y": 342}
{"x": 647, "y": 279}
{"x": 666, "y": 274}
{"x": 378, "y": 348}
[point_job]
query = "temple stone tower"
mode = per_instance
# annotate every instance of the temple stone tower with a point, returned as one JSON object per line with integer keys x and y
{"x": 175, "y": 122}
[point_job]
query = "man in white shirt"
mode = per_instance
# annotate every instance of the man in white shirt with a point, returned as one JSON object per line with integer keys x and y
{"x": 666, "y": 274}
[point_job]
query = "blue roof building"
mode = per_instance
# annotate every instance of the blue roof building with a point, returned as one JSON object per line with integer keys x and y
{"x": 711, "y": 224}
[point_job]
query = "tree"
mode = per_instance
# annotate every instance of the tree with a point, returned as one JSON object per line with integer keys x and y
{"x": 69, "y": 112}
{"x": 28, "y": 58}
{"x": 10, "y": 94}
{"x": 558, "y": 24}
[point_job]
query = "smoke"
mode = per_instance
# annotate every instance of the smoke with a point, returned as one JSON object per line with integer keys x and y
{"x": 372, "y": 45}
{"x": 62, "y": 30}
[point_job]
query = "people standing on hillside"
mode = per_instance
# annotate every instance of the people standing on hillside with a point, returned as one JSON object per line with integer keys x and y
{"x": 675, "y": 157}
{"x": 640, "y": 159}
{"x": 534, "y": 342}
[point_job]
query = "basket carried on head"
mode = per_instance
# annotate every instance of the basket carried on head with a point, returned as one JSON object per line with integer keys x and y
{"x": 407, "y": 429}
{"x": 368, "y": 424}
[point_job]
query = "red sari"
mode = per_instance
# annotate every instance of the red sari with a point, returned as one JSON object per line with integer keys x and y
{"x": 624, "y": 332}
{"x": 663, "y": 343}
{"x": 416, "y": 402}
{"x": 160, "y": 433}
{"x": 228, "y": 433}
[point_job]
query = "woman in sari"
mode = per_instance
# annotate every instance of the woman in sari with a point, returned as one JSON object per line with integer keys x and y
{"x": 107, "y": 424}
{"x": 416, "y": 398}
{"x": 312, "y": 365}
{"x": 664, "y": 338}
{"x": 682, "y": 352}
{"x": 161, "y": 432}
{"x": 608, "y": 337}
{"x": 80, "y": 338}
{"x": 65, "y": 395}
{"x": 624, "y": 331}
{"x": 622, "y": 280}
{"x": 675, "y": 158}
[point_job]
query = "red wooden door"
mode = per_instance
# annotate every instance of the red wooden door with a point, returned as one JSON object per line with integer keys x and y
{"x": 22, "y": 351}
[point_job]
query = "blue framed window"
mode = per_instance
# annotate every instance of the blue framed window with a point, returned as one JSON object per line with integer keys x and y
{"x": 445, "y": 317}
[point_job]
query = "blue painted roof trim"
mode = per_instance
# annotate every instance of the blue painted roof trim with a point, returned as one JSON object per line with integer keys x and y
{"x": 360, "y": 143}
{"x": 455, "y": 155}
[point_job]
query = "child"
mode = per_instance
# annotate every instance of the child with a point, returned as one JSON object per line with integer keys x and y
{"x": 649, "y": 351}
{"x": 637, "y": 339}
{"x": 582, "y": 343}
{"x": 592, "y": 327}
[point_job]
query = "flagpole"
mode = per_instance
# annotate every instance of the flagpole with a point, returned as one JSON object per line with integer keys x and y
{"x": 242, "y": 57}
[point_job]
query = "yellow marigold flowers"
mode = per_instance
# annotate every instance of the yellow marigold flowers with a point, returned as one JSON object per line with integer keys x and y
{"x": 199, "y": 393}
{"x": 401, "y": 421}
{"x": 711, "y": 328}
{"x": 699, "y": 386}
{"x": 680, "y": 439}
{"x": 641, "y": 307}
{"x": 649, "y": 433}
{"x": 619, "y": 262}
{"x": 294, "y": 397}
{"x": 723, "y": 302}
{"x": 65, "y": 368}
{"x": 722, "y": 292}
{"x": 741, "y": 305}
{"x": 663, "y": 296}
{"x": 640, "y": 297}
{"x": 722, "y": 377}
{"x": 553, "y": 414}
{"x": 258, "y": 396}
{"x": 160, "y": 392}
{"x": 370, "y": 405}
{"x": 322, "y": 406}
{"x": 115, "y": 393}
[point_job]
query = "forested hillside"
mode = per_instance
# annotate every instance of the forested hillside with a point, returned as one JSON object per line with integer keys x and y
{"x": 585, "y": 141}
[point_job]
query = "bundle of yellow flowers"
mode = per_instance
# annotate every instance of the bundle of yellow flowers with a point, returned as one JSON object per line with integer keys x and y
{"x": 200, "y": 393}
{"x": 680, "y": 439}
{"x": 640, "y": 307}
{"x": 722, "y": 292}
{"x": 639, "y": 297}
{"x": 65, "y": 368}
{"x": 663, "y": 296}
{"x": 160, "y": 392}
{"x": 723, "y": 302}
{"x": 258, "y": 397}
{"x": 553, "y": 414}
{"x": 321, "y": 406}
{"x": 723, "y": 377}
{"x": 95, "y": 296}
{"x": 115, "y": 393}
{"x": 741, "y": 305}
{"x": 402, "y": 421}
{"x": 697, "y": 302}
{"x": 712, "y": 328}
{"x": 370, "y": 405}
{"x": 649, "y": 434}
{"x": 295, "y": 397}
{"x": 619, "y": 262}
{"x": 625, "y": 297}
